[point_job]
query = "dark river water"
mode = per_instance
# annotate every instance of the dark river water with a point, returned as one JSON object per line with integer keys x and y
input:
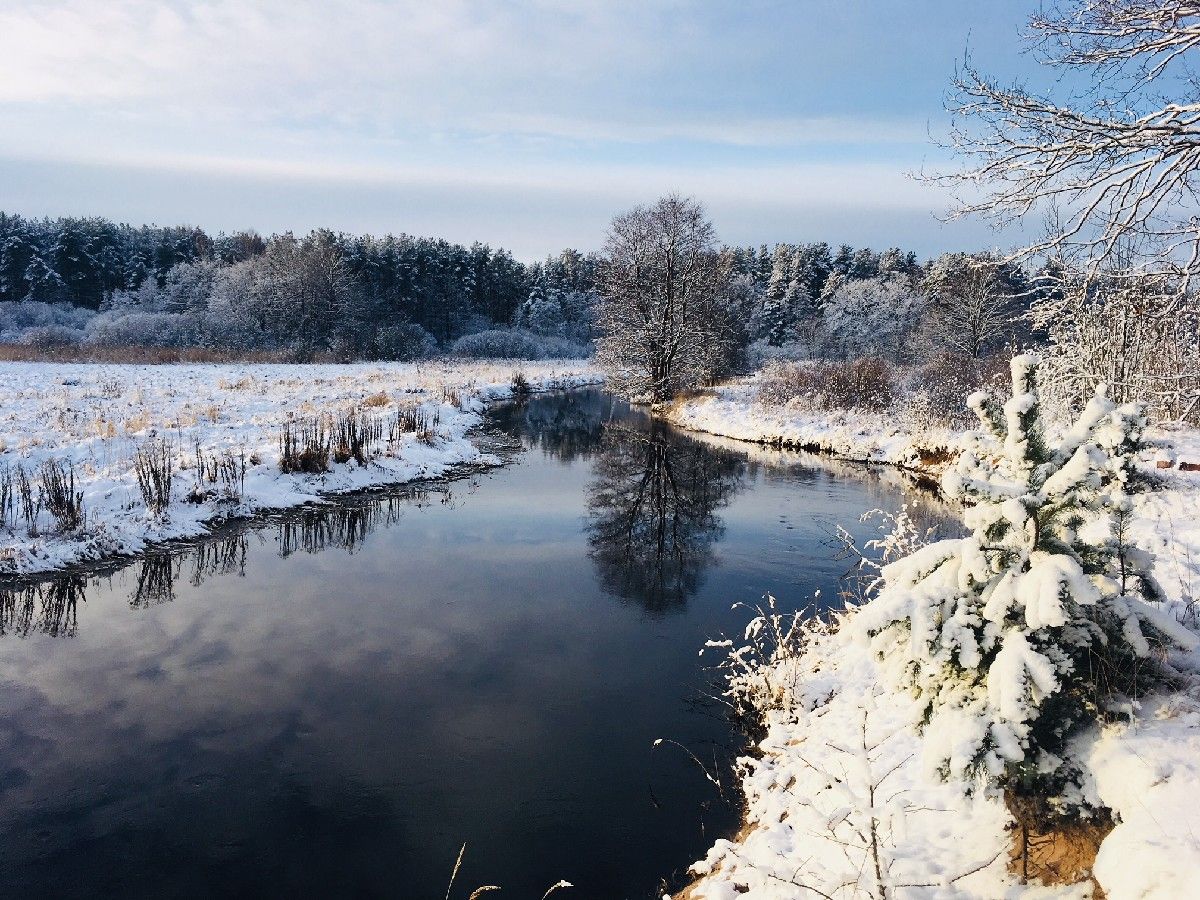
{"x": 331, "y": 703}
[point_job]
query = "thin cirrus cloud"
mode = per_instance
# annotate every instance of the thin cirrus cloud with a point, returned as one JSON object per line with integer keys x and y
{"x": 754, "y": 106}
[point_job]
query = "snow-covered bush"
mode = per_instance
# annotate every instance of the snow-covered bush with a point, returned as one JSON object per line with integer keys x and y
{"x": 143, "y": 329}
{"x": 1138, "y": 335}
{"x": 17, "y": 318}
{"x": 516, "y": 343}
{"x": 936, "y": 388}
{"x": 404, "y": 342}
{"x": 498, "y": 344}
{"x": 761, "y": 353}
{"x": 51, "y": 337}
{"x": 1043, "y": 620}
{"x": 867, "y": 383}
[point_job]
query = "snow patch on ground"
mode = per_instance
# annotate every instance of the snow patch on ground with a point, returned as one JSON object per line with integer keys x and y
{"x": 95, "y": 417}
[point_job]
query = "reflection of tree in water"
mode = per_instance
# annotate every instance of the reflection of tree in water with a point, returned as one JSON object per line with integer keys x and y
{"x": 155, "y": 581}
{"x": 49, "y": 607}
{"x": 565, "y": 426}
{"x": 652, "y": 512}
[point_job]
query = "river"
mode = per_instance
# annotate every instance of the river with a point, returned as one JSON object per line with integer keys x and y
{"x": 332, "y": 702}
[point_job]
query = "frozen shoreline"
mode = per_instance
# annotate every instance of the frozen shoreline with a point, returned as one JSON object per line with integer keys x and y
{"x": 94, "y": 417}
{"x": 807, "y": 786}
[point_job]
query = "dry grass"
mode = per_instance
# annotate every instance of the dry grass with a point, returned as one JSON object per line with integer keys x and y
{"x": 143, "y": 355}
{"x": 376, "y": 400}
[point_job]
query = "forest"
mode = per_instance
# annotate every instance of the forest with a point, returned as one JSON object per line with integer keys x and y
{"x": 70, "y": 285}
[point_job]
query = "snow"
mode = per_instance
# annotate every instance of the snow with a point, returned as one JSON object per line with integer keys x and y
{"x": 732, "y": 411}
{"x": 808, "y": 802}
{"x": 97, "y": 416}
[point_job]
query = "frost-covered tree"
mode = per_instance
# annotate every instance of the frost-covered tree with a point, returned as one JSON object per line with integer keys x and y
{"x": 1114, "y": 145}
{"x": 870, "y": 317}
{"x": 662, "y": 314}
{"x": 1021, "y": 635}
{"x": 776, "y": 317}
{"x": 1132, "y": 334}
{"x": 974, "y": 302}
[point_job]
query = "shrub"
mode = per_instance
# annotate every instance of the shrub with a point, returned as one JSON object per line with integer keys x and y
{"x": 404, "y": 342}
{"x": 304, "y": 446}
{"x": 143, "y": 329}
{"x": 152, "y": 463}
{"x": 59, "y": 494}
{"x": 51, "y": 337}
{"x": 499, "y": 344}
{"x": 937, "y": 387}
{"x": 867, "y": 383}
{"x": 516, "y": 343}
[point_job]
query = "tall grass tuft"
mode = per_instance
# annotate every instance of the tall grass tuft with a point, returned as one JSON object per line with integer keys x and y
{"x": 29, "y": 502}
{"x": 153, "y": 466}
{"x": 59, "y": 495}
{"x": 304, "y": 446}
{"x": 354, "y": 433}
{"x": 520, "y": 385}
{"x": 222, "y": 475}
{"x": 8, "y": 509}
{"x": 414, "y": 420}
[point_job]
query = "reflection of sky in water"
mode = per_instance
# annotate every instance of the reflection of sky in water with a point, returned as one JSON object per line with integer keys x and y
{"x": 340, "y": 724}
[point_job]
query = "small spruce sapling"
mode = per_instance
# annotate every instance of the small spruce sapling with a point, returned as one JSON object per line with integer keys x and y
{"x": 1038, "y": 624}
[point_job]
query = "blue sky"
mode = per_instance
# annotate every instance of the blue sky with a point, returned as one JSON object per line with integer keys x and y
{"x": 524, "y": 124}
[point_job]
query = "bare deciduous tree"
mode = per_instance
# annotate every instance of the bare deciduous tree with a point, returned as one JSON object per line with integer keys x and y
{"x": 661, "y": 313}
{"x": 1121, "y": 160}
{"x": 974, "y": 302}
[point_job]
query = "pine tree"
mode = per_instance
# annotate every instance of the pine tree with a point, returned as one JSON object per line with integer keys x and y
{"x": 1020, "y": 636}
{"x": 776, "y": 319}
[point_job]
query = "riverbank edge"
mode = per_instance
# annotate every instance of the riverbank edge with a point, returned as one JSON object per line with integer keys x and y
{"x": 1162, "y": 525}
{"x": 122, "y": 535}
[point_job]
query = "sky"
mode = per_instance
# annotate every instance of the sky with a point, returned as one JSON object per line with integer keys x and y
{"x": 525, "y": 124}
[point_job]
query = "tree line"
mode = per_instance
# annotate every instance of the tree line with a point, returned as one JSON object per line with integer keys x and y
{"x": 93, "y": 281}
{"x": 353, "y": 296}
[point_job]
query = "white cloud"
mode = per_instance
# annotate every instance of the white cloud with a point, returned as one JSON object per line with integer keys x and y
{"x": 574, "y": 71}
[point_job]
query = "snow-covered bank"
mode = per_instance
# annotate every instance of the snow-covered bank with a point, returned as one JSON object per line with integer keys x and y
{"x": 733, "y": 411}
{"x": 94, "y": 418}
{"x": 841, "y": 800}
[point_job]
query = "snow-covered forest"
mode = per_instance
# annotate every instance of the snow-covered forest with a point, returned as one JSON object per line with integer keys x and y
{"x": 69, "y": 286}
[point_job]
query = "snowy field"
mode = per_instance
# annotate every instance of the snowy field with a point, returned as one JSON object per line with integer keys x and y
{"x": 92, "y": 421}
{"x": 842, "y": 771}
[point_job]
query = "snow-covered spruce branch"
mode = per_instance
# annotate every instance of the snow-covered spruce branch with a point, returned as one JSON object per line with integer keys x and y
{"x": 856, "y": 810}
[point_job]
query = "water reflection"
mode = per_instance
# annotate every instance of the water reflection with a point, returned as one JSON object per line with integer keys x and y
{"x": 49, "y": 607}
{"x": 466, "y": 676}
{"x": 653, "y": 512}
{"x": 346, "y": 525}
{"x": 564, "y": 426}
